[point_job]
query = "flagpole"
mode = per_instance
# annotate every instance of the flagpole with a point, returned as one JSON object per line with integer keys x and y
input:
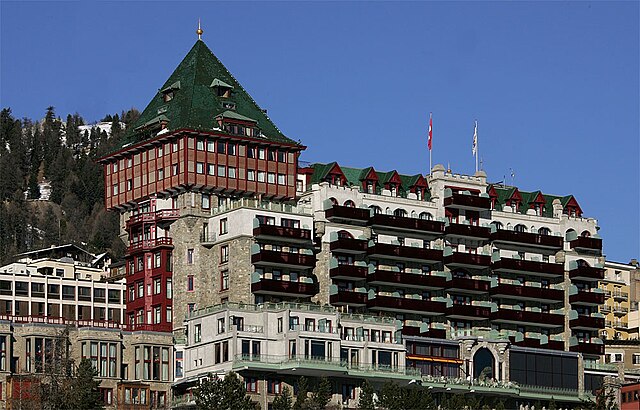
{"x": 430, "y": 140}
{"x": 475, "y": 143}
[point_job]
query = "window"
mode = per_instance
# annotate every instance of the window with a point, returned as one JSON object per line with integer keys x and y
{"x": 160, "y": 174}
{"x": 222, "y": 171}
{"x": 636, "y": 358}
{"x": 211, "y": 169}
{"x": 210, "y": 146}
{"x": 190, "y": 283}
{"x": 169, "y": 288}
{"x": 189, "y": 256}
{"x": 160, "y": 151}
{"x": 157, "y": 286}
{"x": 251, "y": 384}
{"x": 129, "y": 184}
{"x": 206, "y": 201}
{"x": 261, "y": 153}
{"x": 199, "y": 167}
{"x": 197, "y": 333}
{"x": 200, "y": 144}
{"x": 223, "y": 226}
{"x": 222, "y": 147}
{"x": 231, "y": 149}
{"x": 271, "y": 178}
{"x": 221, "y": 325}
{"x": 273, "y": 386}
{"x": 281, "y": 179}
{"x": 157, "y": 313}
{"x": 115, "y": 166}
{"x": 224, "y": 280}
{"x": 251, "y": 175}
{"x": 179, "y": 368}
{"x": 191, "y": 307}
{"x": 251, "y": 152}
{"x": 115, "y": 189}
{"x": 224, "y": 254}
{"x": 231, "y": 172}
{"x": 261, "y": 176}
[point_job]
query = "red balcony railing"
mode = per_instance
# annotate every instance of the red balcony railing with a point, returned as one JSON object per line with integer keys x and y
{"x": 406, "y": 305}
{"x": 584, "y": 322}
{"x": 467, "y": 231}
{"x": 348, "y": 245}
{"x": 587, "y": 244}
{"x": 339, "y": 213}
{"x": 277, "y": 258}
{"x": 587, "y": 348}
{"x": 505, "y": 290}
{"x": 54, "y": 320}
{"x": 467, "y": 260}
{"x": 164, "y": 215}
{"x": 467, "y": 285}
{"x": 523, "y": 317}
{"x": 587, "y": 273}
{"x": 349, "y": 272}
{"x": 148, "y": 327}
{"x": 527, "y": 239}
{"x": 469, "y": 202}
{"x": 587, "y": 298}
{"x": 401, "y": 223}
{"x": 284, "y": 288}
{"x": 346, "y": 297}
{"x": 520, "y": 266}
{"x": 282, "y": 233}
{"x": 405, "y": 280}
{"x": 408, "y": 253}
{"x": 468, "y": 312}
{"x": 149, "y": 244}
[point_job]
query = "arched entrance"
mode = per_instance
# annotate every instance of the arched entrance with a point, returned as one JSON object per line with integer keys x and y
{"x": 483, "y": 364}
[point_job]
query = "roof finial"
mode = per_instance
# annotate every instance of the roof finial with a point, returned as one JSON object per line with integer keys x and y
{"x": 199, "y": 31}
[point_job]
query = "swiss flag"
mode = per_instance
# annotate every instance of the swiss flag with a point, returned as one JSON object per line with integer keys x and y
{"x": 430, "y": 131}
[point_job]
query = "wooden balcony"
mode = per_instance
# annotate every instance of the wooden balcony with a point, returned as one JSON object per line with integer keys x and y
{"x": 587, "y": 298}
{"x": 405, "y": 280}
{"x": 467, "y": 260}
{"x": 281, "y": 233}
{"x": 348, "y": 245}
{"x": 405, "y": 305}
{"x": 584, "y": 322}
{"x": 467, "y": 285}
{"x": 527, "y": 318}
{"x": 284, "y": 288}
{"x": 467, "y": 202}
{"x": 164, "y": 216}
{"x": 149, "y": 244}
{"x": 347, "y": 297}
{"x": 587, "y": 273}
{"x": 403, "y": 225}
{"x": 587, "y": 348}
{"x": 519, "y": 266}
{"x": 527, "y": 293}
{"x": 349, "y": 272}
{"x": 472, "y": 232}
{"x": 347, "y": 214}
{"x": 468, "y": 312}
{"x": 587, "y": 245}
{"x": 404, "y": 253}
{"x": 283, "y": 259}
{"x": 526, "y": 240}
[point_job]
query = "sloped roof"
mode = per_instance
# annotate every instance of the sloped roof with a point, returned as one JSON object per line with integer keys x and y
{"x": 196, "y": 104}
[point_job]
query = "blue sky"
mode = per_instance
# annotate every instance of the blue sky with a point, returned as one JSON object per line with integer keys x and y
{"x": 554, "y": 85}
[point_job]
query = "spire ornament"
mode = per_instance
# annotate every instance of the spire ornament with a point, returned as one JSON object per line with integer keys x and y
{"x": 199, "y": 31}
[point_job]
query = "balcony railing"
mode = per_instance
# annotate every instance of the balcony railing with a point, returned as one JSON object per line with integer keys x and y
{"x": 282, "y": 233}
{"x": 468, "y": 312}
{"x": 278, "y": 258}
{"x": 405, "y": 280}
{"x": 148, "y": 244}
{"x": 587, "y": 273}
{"x": 62, "y": 321}
{"x": 524, "y": 317}
{"x": 520, "y": 266}
{"x": 467, "y": 285}
{"x": 348, "y": 245}
{"x": 348, "y": 214}
{"x": 620, "y": 295}
{"x": 347, "y": 297}
{"x": 467, "y": 231}
{"x": 593, "y": 349}
{"x": 467, "y": 260}
{"x": 207, "y": 238}
{"x": 505, "y": 290}
{"x": 468, "y": 202}
{"x": 284, "y": 288}
{"x": 417, "y": 226}
{"x": 587, "y": 298}
{"x": 527, "y": 239}
{"x": 586, "y": 244}
{"x": 407, "y": 253}
{"x": 164, "y": 215}
{"x": 406, "y": 305}
{"x": 584, "y": 322}
{"x": 349, "y": 272}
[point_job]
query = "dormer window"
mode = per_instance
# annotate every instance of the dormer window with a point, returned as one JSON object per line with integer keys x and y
{"x": 168, "y": 96}
{"x": 419, "y": 194}
{"x": 221, "y": 88}
{"x": 169, "y": 92}
{"x": 393, "y": 189}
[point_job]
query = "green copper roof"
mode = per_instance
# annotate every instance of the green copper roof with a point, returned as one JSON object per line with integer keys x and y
{"x": 196, "y": 104}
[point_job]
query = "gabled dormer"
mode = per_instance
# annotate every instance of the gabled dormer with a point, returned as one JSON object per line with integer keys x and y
{"x": 221, "y": 88}
{"x": 369, "y": 180}
{"x": 515, "y": 200}
{"x": 537, "y": 202}
{"x": 493, "y": 195}
{"x": 168, "y": 93}
{"x": 571, "y": 207}
{"x": 417, "y": 185}
{"x": 392, "y": 182}
{"x": 236, "y": 124}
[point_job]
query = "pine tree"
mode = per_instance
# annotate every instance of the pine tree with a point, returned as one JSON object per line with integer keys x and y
{"x": 283, "y": 401}
{"x": 34, "y": 188}
{"x": 366, "y": 400}
{"x": 84, "y": 392}
{"x": 222, "y": 394}
{"x": 301, "y": 397}
{"x": 321, "y": 395}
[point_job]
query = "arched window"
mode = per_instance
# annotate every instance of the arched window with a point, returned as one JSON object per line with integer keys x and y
{"x": 414, "y": 214}
{"x": 585, "y": 234}
{"x": 570, "y": 234}
{"x": 400, "y": 212}
{"x": 426, "y": 215}
{"x": 520, "y": 228}
{"x": 483, "y": 364}
{"x": 376, "y": 209}
{"x": 544, "y": 231}
{"x": 582, "y": 263}
{"x": 334, "y": 201}
{"x": 349, "y": 203}
{"x": 344, "y": 235}
{"x": 497, "y": 224}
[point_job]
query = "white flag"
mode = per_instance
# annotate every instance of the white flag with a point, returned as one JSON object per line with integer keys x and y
{"x": 474, "y": 150}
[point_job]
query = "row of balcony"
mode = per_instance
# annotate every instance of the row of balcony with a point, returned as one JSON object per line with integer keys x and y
{"x": 149, "y": 245}
{"x": 157, "y": 217}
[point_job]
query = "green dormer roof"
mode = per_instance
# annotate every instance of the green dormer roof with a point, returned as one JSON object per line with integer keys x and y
{"x": 196, "y": 103}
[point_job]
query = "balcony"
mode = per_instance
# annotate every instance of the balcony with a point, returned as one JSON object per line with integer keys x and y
{"x": 149, "y": 244}
{"x": 284, "y": 288}
{"x": 468, "y": 312}
{"x": 462, "y": 231}
{"x": 467, "y": 260}
{"x": 406, "y": 305}
{"x": 621, "y": 325}
{"x": 519, "y": 266}
{"x": 281, "y": 233}
{"x": 405, "y": 280}
{"x": 587, "y": 273}
{"x": 527, "y": 318}
{"x": 467, "y": 202}
{"x": 284, "y": 259}
{"x": 536, "y": 343}
{"x": 348, "y": 245}
{"x": 164, "y": 216}
{"x": 587, "y": 348}
{"x": 527, "y": 293}
{"x": 347, "y": 214}
{"x": 584, "y": 297}
{"x": 584, "y": 322}
{"x": 403, "y": 225}
{"x": 621, "y": 296}
{"x": 348, "y": 297}
{"x": 404, "y": 253}
{"x": 467, "y": 285}
{"x": 586, "y": 244}
{"x": 207, "y": 239}
{"x": 349, "y": 272}
{"x": 517, "y": 240}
